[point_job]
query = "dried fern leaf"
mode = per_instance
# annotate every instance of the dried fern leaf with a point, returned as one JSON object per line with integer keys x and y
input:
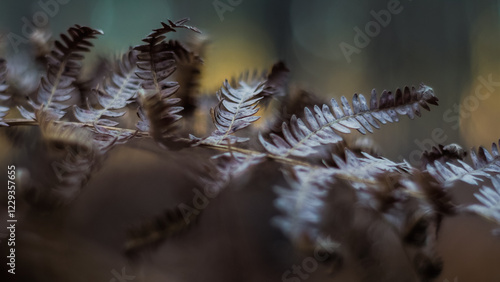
{"x": 235, "y": 111}
{"x": 3, "y": 87}
{"x": 157, "y": 115}
{"x": 171, "y": 27}
{"x": 76, "y": 160}
{"x": 489, "y": 206}
{"x": 188, "y": 73}
{"x": 56, "y": 87}
{"x": 230, "y": 165}
{"x": 443, "y": 154}
{"x": 118, "y": 90}
{"x": 300, "y": 139}
{"x": 156, "y": 62}
{"x": 105, "y": 138}
{"x": 364, "y": 171}
{"x": 303, "y": 203}
{"x": 484, "y": 165}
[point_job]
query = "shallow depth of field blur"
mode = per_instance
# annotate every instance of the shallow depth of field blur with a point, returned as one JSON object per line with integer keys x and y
{"x": 452, "y": 46}
{"x": 449, "y": 45}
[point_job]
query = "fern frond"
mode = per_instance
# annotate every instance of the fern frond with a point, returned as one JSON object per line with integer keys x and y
{"x": 79, "y": 155}
{"x": 105, "y": 138}
{"x": 302, "y": 205}
{"x": 230, "y": 165}
{"x": 156, "y": 62}
{"x": 489, "y": 208}
{"x": 322, "y": 126}
{"x": 367, "y": 169}
{"x": 171, "y": 27}
{"x": 235, "y": 111}
{"x": 56, "y": 87}
{"x": 484, "y": 165}
{"x": 444, "y": 154}
{"x": 188, "y": 72}
{"x": 3, "y": 87}
{"x": 157, "y": 115}
{"x": 117, "y": 91}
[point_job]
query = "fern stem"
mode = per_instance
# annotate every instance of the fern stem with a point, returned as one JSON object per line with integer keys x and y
{"x": 21, "y": 122}
{"x": 219, "y": 147}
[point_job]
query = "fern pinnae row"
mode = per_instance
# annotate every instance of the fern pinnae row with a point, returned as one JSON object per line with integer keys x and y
{"x": 236, "y": 109}
{"x": 365, "y": 170}
{"x": 489, "y": 203}
{"x": 299, "y": 138}
{"x": 244, "y": 100}
{"x": 302, "y": 204}
{"x": 118, "y": 90}
{"x": 484, "y": 165}
{"x": 54, "y": 88}
{"x": 156, "y": 63}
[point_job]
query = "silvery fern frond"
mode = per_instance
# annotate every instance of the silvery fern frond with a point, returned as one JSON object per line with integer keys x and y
{"x": 56, "y": 87}
{"x": 230, "y": 165}
{"x": 489, "y": 206}
{"x": 3, "y": 87}
{"x": 366, "y": 169}
{"x": 484, "y": 164}
{"x": 118, "y": 90}
{"x": 235, "y": 111}
{"x": 83, "y": 150}
{"x": 301, "y": 138}
{"x": 302, "y": 203}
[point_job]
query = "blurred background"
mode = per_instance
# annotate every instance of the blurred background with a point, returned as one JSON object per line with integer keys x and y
{"x": 450, "y": 45}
